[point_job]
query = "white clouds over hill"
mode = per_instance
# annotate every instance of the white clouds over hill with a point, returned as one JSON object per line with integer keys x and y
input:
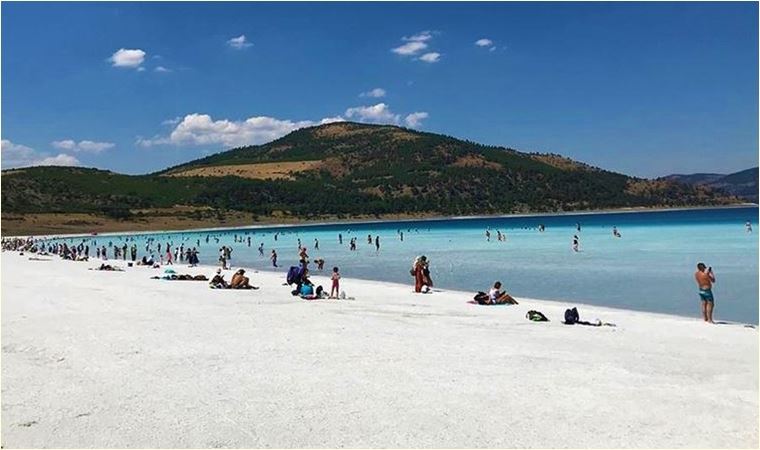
{"x": 203, "y": 130}
{"x": 17, "y": 155}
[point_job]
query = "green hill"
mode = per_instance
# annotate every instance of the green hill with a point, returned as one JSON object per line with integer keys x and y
{"x": 349, "y": 169}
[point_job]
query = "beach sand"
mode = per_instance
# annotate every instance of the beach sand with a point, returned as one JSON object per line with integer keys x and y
{"x": 115, "y": 359}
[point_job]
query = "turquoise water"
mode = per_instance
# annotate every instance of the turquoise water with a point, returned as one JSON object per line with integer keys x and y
{"x": 649, "y": 268}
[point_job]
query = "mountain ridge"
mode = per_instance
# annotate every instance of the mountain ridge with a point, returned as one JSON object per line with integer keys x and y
{"x": 743, "y": 184}
{"x": 346, "y": 170}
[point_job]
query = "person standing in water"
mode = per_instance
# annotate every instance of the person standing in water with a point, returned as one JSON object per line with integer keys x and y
{"x": 377, "y": 243}
{"x": 578, "y": 226}
{"x": 488, "y": 235}
{"x": 748, "y": 226}
{"x": 705, "y": 279}
{"x": 418, "y": 272}
{"x": 576, "y": 243}
{"x": 273, "y": 257}
{"x": 340, "y": 239}
{"x": 261, "y": 249}
{"x": 316, "y": 244}
{"x": 615, "y": 232}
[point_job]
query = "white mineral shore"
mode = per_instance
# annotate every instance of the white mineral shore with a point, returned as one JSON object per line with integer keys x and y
{"x": 116, "y": 359}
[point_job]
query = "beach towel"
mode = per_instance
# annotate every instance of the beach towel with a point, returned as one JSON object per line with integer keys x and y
{"x": 473, "y": 302}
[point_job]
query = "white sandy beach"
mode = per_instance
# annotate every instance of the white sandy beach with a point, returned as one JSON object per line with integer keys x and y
{"x": 115, "y": 359}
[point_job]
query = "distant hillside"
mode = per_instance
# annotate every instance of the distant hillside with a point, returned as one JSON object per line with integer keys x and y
{"x": 348, "y": 170}
{"x": 743, "y": 184}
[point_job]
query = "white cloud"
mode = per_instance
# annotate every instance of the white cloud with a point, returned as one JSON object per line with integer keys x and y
{"x": 201, "y": 129}
{"x": 375, "y": 93}
{"x": 422, "y": 36}
{"x": 379, "y": 113}
{"x": 417, "y": 44}
{"x": 410, "y": 48}
{"x": 66, "y": 144}
{"x": 484, "y": 42}
{"x": 430, "y": 57}
{"x": 161, "y": 69}
{"x": 415, "y": 119}
{"x": 127, "y": 58}
{"x": 82, "y": 146}
{"x": 239, "y": 42}
{"x": 16, "y": 155}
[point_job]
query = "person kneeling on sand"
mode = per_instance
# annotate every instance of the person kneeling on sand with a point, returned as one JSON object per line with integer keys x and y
{"x": 240, "y": 281}
{"x": 497, "y": 297}
{"x": 218, "y": 280}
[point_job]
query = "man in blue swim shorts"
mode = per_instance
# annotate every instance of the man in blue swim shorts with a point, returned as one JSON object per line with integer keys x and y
{"x": 705, "y": 278}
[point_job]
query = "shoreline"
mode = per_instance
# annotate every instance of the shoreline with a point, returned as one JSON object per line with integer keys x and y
{"x": 307, "y": 223}
{"x": 116, "y": 359}
{"x": 210, "y": 269}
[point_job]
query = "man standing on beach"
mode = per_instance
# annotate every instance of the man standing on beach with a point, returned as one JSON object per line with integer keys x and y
{"x": 705, "y": 278}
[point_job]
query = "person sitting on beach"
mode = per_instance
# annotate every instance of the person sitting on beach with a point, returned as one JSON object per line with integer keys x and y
{"x": 307, "y": 290}
{"x": 218, "y": 280}
{"x": 497, "y": 297}
{"x": 240, "y": 281}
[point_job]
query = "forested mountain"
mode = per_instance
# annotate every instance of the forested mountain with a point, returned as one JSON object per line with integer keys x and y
{"x": 742, "y": 184}
{"x": 349, "y": 169}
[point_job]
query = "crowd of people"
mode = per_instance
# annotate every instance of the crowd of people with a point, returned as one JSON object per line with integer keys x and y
{"x": 160, "y": 250}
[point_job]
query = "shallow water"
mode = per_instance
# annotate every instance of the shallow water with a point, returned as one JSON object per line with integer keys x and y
{"x": 651, "y": 267}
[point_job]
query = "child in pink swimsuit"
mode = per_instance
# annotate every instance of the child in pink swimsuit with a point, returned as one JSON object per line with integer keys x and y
{"x": 335, "y": 283}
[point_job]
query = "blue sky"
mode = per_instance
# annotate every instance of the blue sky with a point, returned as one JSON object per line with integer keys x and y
{"x": 646, "y": 89}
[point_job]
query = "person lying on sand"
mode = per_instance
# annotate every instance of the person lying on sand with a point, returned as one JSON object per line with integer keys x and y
{"x": 497, "y": 297}
{"x": 108, "y": 267}
{"x": 181, "y": 277}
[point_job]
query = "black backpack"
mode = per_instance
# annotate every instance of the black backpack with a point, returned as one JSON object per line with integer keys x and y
{"x": 571, "y": 316}
{"x": 481, "y": 298}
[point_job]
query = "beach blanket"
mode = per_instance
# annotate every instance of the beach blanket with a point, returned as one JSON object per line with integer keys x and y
{"x": 473, "y": 302}
{"x": 219, "y": 286}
